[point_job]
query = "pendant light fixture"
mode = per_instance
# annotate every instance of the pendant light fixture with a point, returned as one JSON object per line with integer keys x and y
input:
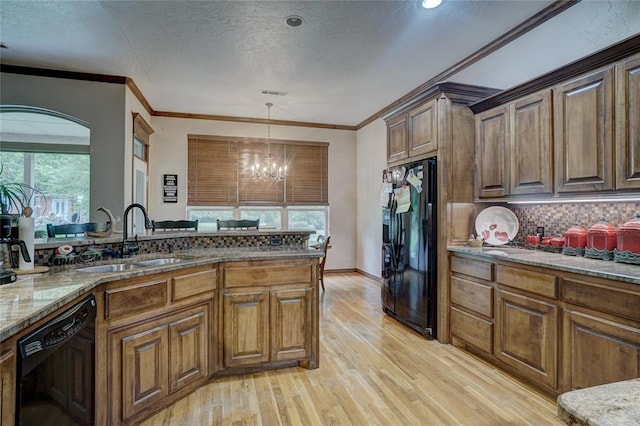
{"x": 268, "y": 169}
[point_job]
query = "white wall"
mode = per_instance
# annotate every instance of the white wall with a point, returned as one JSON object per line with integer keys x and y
{"x": 98, "y": 104}
{"x": 372, "y": 160}
{"x": 168, "y": 154}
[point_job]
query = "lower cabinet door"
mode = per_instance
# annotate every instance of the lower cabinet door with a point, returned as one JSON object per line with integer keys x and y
{"x": 188, "y": 350}
{"x": 290, "y": 324}
{"x": 140, "y": 368}
{"x": 246, "y": 328}
{"x": 597, "y": 351}
{"x": 472, "y": 329}
{"x": 525, "y": 339}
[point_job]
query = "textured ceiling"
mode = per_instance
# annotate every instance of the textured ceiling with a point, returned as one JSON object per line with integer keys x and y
{"x": 348, "y": 60}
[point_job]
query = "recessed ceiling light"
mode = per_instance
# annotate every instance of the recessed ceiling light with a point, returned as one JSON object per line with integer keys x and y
{"x": 430, "y": 4}
{"x": 294, "y": 20}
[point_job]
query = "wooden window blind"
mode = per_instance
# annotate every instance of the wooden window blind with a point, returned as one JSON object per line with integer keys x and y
{"x": 307, "y": 180}
{"x": 212, "y": 173}
{"x": 219, "y": 172}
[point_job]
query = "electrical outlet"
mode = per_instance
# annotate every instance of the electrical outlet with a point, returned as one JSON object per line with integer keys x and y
{"x": 275, "y": 241}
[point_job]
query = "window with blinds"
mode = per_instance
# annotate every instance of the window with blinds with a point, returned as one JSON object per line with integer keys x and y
{"x": 219, "y": 172}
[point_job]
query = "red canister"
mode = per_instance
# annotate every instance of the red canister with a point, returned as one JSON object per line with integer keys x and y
{"x": 602, "y": 236}
{"x": 629, "y": 236}
{"x": 575, "y": 237}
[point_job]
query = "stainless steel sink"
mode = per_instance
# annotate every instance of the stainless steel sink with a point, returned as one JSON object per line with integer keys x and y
{"x": 115, "y": 267}
{"x": 161, "y": 261}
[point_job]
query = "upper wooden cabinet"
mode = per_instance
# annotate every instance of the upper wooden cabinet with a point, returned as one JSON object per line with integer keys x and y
{"x": 423, "y": 129}
{"x": 397, "y": 138}
{"x": 583, "y": 130}
{"x": 530, "y": 145}
{"x": 513, "y": 148}
{"x": 413, "y": 133}
{"x": 628, "y": 124}
{"x": 492, "y": 155}
{"x": 570, "y": 132}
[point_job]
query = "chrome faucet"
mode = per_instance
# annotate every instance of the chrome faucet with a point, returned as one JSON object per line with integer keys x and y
{"x": 128, "y": 249}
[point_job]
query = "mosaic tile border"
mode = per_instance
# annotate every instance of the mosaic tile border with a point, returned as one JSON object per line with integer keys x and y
{"x": 168, "y": 245}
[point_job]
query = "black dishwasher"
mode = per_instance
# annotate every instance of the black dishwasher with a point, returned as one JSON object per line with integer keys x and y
{"x": 56, "y": 369}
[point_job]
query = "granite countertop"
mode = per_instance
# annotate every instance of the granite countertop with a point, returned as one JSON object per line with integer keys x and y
{"x": 605, "y": 405}
{"x": 576, "y": 264}
{"x": 32, "y": 297}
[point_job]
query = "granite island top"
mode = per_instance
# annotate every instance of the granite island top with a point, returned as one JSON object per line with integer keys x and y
{"x": 605, "y": 405}
{"x": 32, "y": 297}
{"x": 576, "y": 264}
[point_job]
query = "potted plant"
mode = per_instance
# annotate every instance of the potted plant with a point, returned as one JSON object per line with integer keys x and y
{"x": 15, "y": 197}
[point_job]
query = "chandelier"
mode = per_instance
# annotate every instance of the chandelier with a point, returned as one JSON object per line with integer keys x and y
{"x": 268, "y": 169}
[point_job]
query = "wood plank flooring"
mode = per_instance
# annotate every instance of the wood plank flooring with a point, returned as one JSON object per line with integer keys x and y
{"x": 373, "y": 371}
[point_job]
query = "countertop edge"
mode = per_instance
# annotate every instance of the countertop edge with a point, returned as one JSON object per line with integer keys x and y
{"x": 579, "y": 265}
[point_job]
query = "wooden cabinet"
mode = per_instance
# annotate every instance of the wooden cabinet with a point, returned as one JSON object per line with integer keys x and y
{"x": 188, "y": 349}
{"x": 7, "y": 385}
{"x": 246, "y": 328}
{"x": 597, "y": 350}
{"x": 559, "y": 330}
{"x": 268, "y": 313}
{"x": 514, "y": 148}
{"x": 492, "y": 154}
{"x": 627, "y": 115}
{"x": 526, "y": 336}
{"x": 413, "y": 133}
{"x": 423, "y": 129}
{"x": 153, "y": 359}
{"x": 527, "y": 323}
{"x": 141, "y": 364}
{"x": 583, "y": 133}
{"x": 397, "y": 133}
{"x": 471, "y": 308}
{"x": 530, "y": 145}
{"x": 157, "y": 338}
{"x": 291, "y": 324}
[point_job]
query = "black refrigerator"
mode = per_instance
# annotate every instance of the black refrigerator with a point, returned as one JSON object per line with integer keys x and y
{"x": 409, "y": 249}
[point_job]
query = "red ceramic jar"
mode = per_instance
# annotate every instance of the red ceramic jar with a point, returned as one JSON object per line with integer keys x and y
{"x": 602, "y": 236}
{"x": 575, "y": 237}
{"x": 629, "y": 236}
{"x": 556, "y": 242}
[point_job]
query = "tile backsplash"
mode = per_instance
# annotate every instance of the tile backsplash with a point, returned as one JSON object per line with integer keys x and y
{"x": 557, "y": 218}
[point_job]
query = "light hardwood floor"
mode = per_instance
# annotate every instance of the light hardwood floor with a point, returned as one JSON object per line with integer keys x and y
{"x": 373, "y": 371}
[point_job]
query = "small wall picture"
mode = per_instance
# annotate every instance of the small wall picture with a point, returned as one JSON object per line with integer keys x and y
{"x": 170, "y": 188}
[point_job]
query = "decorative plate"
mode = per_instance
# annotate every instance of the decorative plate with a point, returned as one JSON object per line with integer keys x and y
{"x": 497, "y": 225}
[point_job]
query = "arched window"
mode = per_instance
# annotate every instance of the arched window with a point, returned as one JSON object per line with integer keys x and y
{"x": 49, "y": 151}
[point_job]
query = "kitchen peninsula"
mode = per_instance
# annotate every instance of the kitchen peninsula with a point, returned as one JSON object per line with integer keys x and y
{"x": 174, "y": 321}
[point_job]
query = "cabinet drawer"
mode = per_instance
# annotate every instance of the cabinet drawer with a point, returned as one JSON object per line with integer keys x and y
{"x": 474, "y": 296}
{"x": 184, "y": 286}
{"x": 476, "y": 331}
{"x": 473, "y": 268}
{"x": 135, "y": 298}
{"x": 619, "y": 302}
{"x": 523, "y": 279}
{"x": 241, "y": 275}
